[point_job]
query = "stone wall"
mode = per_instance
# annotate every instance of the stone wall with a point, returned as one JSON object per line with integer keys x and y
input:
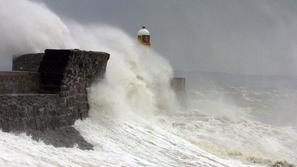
{"x": 53, "y": 97}
{"x": 19, "y": 82}
{"x": 178, "y": 84}
{"x": 71, "y": 79}
{"x": 71, "y": 70}
{"x": 27, "y": 62}
{"x": 33, "y": 111}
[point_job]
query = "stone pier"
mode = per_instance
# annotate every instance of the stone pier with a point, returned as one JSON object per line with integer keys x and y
{"x": 48, "y": 90}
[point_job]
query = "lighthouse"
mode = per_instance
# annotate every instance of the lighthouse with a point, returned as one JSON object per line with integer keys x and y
{"x": 143, "y": 36}
{"x": 178, "y": 84}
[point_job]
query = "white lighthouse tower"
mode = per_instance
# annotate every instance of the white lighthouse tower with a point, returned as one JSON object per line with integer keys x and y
{"x": 143, "y": 37}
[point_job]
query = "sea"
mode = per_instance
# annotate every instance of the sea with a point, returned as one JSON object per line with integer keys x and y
{"x": 136, "y": 119}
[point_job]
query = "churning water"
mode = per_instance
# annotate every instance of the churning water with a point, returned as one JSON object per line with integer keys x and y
{"x": 134, "y": 119}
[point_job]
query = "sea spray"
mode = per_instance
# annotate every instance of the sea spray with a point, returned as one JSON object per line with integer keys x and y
{"x": 30, "y": 27}
{"x": 139, "y": 81}
{"x": 230, "y": 130}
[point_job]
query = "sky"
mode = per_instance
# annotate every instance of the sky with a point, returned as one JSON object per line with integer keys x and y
{"x": 256, "y": 37}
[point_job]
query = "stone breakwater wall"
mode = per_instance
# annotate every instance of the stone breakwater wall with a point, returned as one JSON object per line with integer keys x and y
{"x": 33, "y": 111}
{"x": 53, "y": 94}
{"x": 19, "y": 82}
{"x": 178, "y": 84}
{"x": 27, "y": 62}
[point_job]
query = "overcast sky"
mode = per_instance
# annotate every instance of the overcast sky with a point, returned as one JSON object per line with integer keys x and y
{"x": 234, "y": 36}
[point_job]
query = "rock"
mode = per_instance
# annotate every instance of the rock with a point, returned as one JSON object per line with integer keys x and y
{"x": 62, "y": 137}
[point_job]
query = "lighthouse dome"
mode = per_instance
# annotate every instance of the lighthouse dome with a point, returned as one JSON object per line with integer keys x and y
{"x": 143, "y": 31}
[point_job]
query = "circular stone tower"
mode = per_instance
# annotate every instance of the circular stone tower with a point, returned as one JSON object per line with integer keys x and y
{"x": 144, "y": 37}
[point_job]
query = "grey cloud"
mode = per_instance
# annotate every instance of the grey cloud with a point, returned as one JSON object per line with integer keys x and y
{"x": 234, "y": 36}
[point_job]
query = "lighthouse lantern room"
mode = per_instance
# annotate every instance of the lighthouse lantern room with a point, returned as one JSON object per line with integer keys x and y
{"x": 143, "y": 36}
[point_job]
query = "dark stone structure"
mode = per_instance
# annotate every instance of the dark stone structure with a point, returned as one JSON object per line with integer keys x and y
{"x": 178, "y": 84}
{"x": 19, "y": 82}
{"x": 27, "y": 62}
{"x": 48, "y": 90}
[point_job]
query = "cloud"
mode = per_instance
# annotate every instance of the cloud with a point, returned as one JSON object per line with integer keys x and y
{"x": 234, "y": 36}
